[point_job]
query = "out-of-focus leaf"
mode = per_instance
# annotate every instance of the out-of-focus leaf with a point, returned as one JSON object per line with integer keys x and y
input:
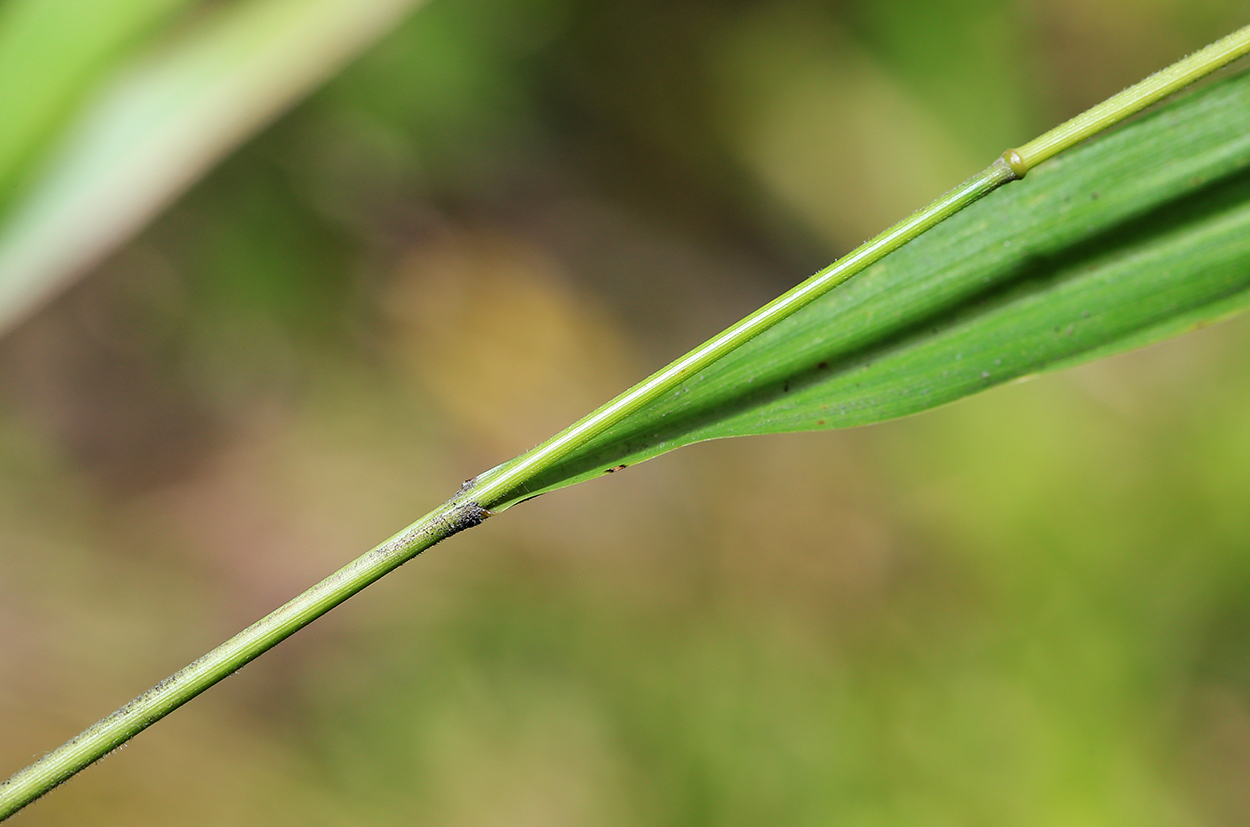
{"x": 52, "y": 54}
{"x": 163, "y": 121}
{"x": 1136, "y": 236}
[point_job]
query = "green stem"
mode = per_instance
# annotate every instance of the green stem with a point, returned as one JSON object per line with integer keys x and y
{"x": 503, "y": 486}
{"x": 1132, "y": 100}
{"x": 111, "y": 732}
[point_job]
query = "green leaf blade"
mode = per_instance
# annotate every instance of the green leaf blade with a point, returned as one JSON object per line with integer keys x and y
{"x": 53, "y": 53}
{"x": 160, "y": 119}
{"x": 1126, "y": 240}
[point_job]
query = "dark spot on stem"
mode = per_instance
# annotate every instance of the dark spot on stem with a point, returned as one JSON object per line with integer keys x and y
{"x": 465, "y": 515}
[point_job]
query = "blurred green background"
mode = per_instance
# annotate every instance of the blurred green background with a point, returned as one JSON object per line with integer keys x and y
{"x": 1029, "y": 608}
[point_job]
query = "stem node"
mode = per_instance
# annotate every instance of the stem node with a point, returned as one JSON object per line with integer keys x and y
{"x": 1016, "y": 162}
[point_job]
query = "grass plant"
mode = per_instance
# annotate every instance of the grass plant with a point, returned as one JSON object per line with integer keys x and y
{"x": 1036, "y": 263}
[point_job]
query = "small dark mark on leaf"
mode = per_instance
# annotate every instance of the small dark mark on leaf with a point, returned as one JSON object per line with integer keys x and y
{"x": 614, "y": 470}
{"x": 823, "y": 365}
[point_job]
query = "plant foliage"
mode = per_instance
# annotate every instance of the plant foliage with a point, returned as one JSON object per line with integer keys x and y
{"x": 1133, "y": 237}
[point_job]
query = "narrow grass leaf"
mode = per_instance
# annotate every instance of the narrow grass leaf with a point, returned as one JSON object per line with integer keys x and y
{"x": 53, "y": 55}
{"x": 1130, "y": 238}
{"x": 165, "y": 120}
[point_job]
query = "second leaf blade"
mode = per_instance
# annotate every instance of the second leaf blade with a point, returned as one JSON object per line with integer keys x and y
{"x": 1126, "y": 240}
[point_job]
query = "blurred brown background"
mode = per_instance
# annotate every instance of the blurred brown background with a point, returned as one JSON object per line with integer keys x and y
{"x": 1030, "y": 608}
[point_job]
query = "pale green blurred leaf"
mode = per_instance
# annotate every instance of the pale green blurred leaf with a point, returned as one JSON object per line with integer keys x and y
{"x": 53, "y": 53}
{"x": 165, "y": 118}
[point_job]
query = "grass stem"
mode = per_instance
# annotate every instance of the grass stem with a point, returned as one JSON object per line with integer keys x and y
{"x": 505, "y": 485}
